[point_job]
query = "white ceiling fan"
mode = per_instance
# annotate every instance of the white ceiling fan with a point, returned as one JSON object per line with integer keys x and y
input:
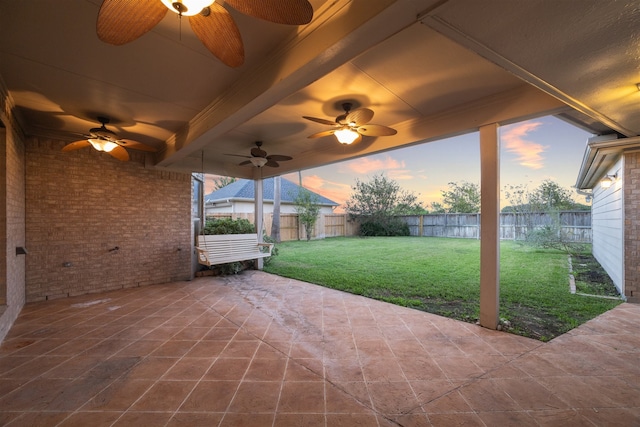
{"x": 259, "y": 158}
{"x": 350, "y": 126}
{"x": 103, "y": 139}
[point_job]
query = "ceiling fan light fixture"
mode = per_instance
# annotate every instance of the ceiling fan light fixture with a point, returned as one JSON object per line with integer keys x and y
{"x": 102, "y": 144}
{"x": 346, "y": 135}
{"x": 258, "y": 161}
{"x": 187, "y": 7}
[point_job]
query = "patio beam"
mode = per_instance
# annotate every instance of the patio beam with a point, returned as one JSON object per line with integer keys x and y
{"x": 489, "y": 226}
{"x": 340, "y": 31}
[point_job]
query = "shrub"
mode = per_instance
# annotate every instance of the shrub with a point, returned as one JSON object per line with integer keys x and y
{"x": 274, "y": 251}
{"x": 390, "y": 227}
{"x": 231, "y": 268}
{"x": 228, "y": 226}
{"x": 552, "y": 237}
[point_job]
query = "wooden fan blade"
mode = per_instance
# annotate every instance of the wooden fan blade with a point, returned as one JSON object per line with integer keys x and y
{"x": 123, "y": 21}
{"x": 76, "y": 145}
{"x": 322, "y": 121}
{"x": 220, "y": 34}
{"x": 272, "y": 163}
{"x": 237, "y": 155}
{"x": 321, "y": 134}
{"x": 279, "y": 157}
{"x": 291, "y": 12}
{"x": 376, "y": 130}
{"x": 246, "y": 162}
{"x": 258, "y": 152}
{"x": 135, "y": 145}
{"x": 360, "y": 117}
{"x": 120, "y": 153}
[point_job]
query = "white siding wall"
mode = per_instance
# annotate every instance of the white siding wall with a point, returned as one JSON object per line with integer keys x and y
{"x": 247, "y": 207}
{"x": 608, "y": 227}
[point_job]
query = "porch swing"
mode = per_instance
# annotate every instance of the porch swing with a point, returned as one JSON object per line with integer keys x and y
{"x": 215, "y": 249}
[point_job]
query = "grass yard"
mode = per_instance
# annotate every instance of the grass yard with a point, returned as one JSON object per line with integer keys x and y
{"x": 442, "y": 276}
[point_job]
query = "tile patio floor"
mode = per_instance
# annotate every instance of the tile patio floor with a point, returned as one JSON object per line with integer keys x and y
{"x": 261, "y": 350}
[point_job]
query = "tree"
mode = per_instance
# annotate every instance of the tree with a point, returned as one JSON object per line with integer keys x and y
{"x": 437, "y": 208}
{"x": 222, "y": 181}
{"x": 461, "y": 197}
{"x": 376, "y": 202}
{"x": 549, "y": 195}
{"x": 308, "y": 208}
{"x": 416, "y": 209}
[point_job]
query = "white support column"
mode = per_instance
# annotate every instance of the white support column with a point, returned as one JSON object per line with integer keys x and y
{"x": 259, "y": 215}
{"x": 489, "y": 226}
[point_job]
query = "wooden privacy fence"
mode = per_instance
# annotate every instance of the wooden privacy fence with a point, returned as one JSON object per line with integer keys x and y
{"x": 574, "y": 225}
{"x": 328, "y": 225}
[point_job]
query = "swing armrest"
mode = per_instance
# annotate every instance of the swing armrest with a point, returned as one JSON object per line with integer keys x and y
{"x": 269, "y": 247}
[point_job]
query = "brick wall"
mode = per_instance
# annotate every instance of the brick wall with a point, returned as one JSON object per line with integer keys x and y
{"x": 12, "y": 225}
{"x": 83, "y": 205}
{"x": 3, "y": 220}
{"x": 632, "y": 226}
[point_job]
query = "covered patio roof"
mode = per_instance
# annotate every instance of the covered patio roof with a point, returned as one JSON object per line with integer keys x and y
{"x": 428, "y": 68}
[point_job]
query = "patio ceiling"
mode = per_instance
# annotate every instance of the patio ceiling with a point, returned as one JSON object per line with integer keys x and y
{"x": 428, "y": 68}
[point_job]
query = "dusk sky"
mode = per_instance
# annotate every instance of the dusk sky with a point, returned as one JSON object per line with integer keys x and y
{"x": 531, "y": 151}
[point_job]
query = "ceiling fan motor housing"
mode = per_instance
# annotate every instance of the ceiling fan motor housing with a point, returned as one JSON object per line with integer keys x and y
{"x": 104, "y": 133}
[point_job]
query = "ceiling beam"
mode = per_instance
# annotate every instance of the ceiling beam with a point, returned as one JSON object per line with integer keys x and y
{"x": 340, "y": 32}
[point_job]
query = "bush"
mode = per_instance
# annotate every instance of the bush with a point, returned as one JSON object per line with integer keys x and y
{"x": 231, "y": 268}
{"x": 228, "y": 226}
{"x": 552, "y": 237}
{"x": 274, "y": 251}
{"x": 390, "y": 227}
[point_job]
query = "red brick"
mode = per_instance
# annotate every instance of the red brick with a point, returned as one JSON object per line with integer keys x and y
{"x": 81, "y": 205}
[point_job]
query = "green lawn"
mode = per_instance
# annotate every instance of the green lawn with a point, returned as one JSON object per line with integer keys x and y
{"x": 442, "y": 276}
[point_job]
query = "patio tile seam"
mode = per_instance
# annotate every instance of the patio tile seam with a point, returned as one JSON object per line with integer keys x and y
{"x": 147, "y": 390}
{"x": 370, "y": 404}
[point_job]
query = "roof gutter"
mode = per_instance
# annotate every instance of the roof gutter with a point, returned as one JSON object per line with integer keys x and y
{"x": 601, "y": 153}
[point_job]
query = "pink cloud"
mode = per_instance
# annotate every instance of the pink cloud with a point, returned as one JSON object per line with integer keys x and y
{"x": 367, "y": 165}
{"x": 336, "y": 191}
{"x": 528, "y": 153}
{"x": 400, "y": 174}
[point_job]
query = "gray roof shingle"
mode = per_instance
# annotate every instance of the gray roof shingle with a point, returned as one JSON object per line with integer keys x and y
{"x": 244, "y": 189}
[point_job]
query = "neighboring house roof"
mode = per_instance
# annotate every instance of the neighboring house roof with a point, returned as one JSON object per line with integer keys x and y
{"x": 601, "y": 153}
{"x": 244, "y": 190}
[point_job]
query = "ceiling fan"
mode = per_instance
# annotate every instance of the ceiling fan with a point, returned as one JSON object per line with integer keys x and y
{"x": 102, "y": 139}
{"x": 123, "y": 21}
{"x": 259, "y": 157}
{"x": 350, "y": 126}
